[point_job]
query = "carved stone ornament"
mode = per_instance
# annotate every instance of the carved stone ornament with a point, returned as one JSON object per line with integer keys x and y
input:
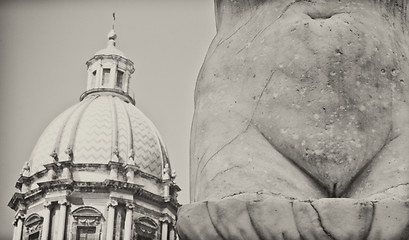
{"x": 33, "y": 224}
{"x": 131, "y": 154}
{"x": 131, "y": 162}
{"x": 87, "y": 212}
{"x": 20, "y": 215}
{"x": 86, "y": 216}
{"x": 166, "y": 174}
{"x": 115, "y": 154}
{"x": 47, "y": 204}
{"x": 146, "y": 227}
{"x": 64, "y": 202}
{"x": 116, "y": 151}
{"x": 87, "y": 221}
{"x": 54, "y": 155}
{"x": 112, "y": 203}
{"x": 25, "y": 171}
{"x": 130, "y": 206}
{"x": 69, "y": 153}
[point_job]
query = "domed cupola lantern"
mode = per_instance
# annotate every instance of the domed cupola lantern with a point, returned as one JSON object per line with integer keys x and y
{"x": 109, "y": 70}
{"x": 100, "y": 170}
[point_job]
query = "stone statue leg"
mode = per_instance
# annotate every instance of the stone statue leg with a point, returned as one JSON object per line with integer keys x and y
{"x": 255, "y": 171}
{"x": 387, "y": 175}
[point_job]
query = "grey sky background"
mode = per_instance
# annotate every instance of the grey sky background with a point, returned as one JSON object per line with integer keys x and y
{"x": 43, "y": 49}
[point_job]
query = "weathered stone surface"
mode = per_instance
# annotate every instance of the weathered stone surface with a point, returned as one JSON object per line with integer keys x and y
{"x": 278, "y": 220}
{"x": 195, "y": 223}
{"x": 340, "y": 217}
{"x": 333, "y": 219}
{"x": 301, "y": 125}
{"x": 308, "y": 222}
{"x": 303, "y": 99}
{"x": 391, "y": 220}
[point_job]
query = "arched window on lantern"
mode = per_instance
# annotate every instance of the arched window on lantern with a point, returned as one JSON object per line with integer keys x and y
{"x": 93, "y": 78}
{"x": 105, "y": 77}
{"x": 119, "y": 79}
{"x": 33, "y": 227}
{"x": 86, "y": 223}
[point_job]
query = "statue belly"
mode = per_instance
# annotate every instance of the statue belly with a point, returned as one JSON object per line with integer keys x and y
{"x": 328, "y": 104}
{"x": 317, "y": 81}
{"x": 332, "y": 141}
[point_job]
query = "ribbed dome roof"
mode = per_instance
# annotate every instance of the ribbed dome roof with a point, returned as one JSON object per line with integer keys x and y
{"x": 96, "y": 130}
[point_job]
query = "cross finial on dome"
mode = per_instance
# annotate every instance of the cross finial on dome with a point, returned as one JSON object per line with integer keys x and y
{"x": 113, "y": 22}
{"x": 112, "y": 34}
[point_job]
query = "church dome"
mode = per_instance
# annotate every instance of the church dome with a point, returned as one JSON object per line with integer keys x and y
{"x": 100, "y": 168}
{"x": 104, "y": 134}
{"x": 100, "y": 129}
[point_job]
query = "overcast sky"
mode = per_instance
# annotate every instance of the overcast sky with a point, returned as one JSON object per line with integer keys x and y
{"x": 43, "y": 49}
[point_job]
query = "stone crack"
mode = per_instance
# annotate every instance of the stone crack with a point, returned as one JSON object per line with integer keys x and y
{"x": 211, "y": 220}
{"x": 235, "y": 32}
{"x": 219, "y": 173}
{"x": 294, "y": 217}
{"x": 220, "y": 149}
{"x": 252, "y": 222}
{"x": 259, "y": 192}
{"x": 270, "y": 24}
{"x": 260, "y": 96}
{"x": 372, "y": 220}
{"x": 232, "y": 195}
{"x": 389, "y": 188}
{"x": 322, "y": 225}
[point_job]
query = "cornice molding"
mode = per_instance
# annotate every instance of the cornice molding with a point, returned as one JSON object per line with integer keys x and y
{"x": 58, "y": 167}
{"x": 15, "y": 200}
{"x": 106, "y": 186}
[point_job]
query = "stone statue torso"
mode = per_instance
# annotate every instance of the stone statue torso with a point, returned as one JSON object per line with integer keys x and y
{"x": 303, "y": 99}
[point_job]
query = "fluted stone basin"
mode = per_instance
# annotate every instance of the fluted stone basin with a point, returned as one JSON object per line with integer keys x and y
{"x": 327, "y": 218}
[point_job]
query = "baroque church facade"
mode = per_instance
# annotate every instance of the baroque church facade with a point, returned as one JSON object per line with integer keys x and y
{"x": 100, "y": 170}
